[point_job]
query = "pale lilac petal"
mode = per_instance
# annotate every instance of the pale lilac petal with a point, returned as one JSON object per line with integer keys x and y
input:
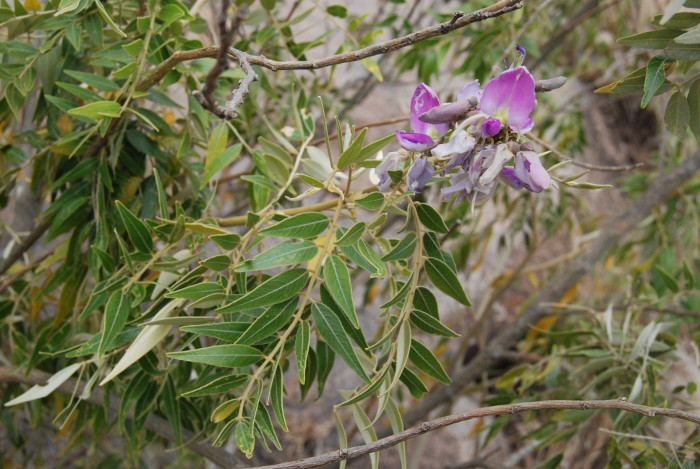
{"x": 424, "y": 99}
{"x": 490, "y": 127}
{"x": 470, "y": 90}
{"x": 390, "y": 162}
{"x": 414, "y": 141}
{"x": 539, "y": 177}
{"x": 420, "y": 174}
{"x": 503, "y": 155}
{"x": 528, "y": 126}
{"x": 460, "y": 142}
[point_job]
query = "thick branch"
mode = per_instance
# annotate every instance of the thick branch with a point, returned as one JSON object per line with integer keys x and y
{"x": 153, "y": 423}
{"x": 612, "y": 233}
{"x": 497, "y": 9}
{"x": 384, "y": 443}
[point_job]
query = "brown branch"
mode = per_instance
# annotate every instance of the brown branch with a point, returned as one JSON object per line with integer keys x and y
{"x": 425, "y": 427}
{"x": 19, "y": 251}
{"x": 613, "y": 231}
{"x": 497, "y": 9}
{"x": 156, "y": 424}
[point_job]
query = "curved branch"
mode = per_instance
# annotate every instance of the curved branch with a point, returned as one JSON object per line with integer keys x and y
{"x": 425, "y": 427}
{"x": 497, "y": 9}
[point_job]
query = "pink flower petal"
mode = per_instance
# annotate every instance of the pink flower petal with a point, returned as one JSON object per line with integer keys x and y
{"x": 424, "y": 99}
{"x": 469, "y": 90}
{"x": 513, "y": 91}
{"x": 490, "y": 127}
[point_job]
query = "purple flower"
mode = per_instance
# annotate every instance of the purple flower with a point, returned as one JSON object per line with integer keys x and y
{"x": 424, "y": 99}
{"x": 530, "y": 172}
{"x": 509, "y": 99}
{"x": 420, "y": 173}
{"x": 470, "y": 90}
{"x": 390, "y": 162}
{"x": 467, "y": 100}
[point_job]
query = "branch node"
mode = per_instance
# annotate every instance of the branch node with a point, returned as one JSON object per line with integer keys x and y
{"x": 343, "y": 453}
{"x": 425, "y": 426}
{"x": 457, "y": 15}
{"x": 515, "y": 408}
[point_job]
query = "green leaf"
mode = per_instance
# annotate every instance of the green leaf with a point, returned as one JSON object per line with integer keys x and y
{"x": 404, "y": 249}
{"x": 138, "y": 231}
{"x": 431, "y": 244}
{"x": 108, "y": 19}
{"x": 269, "y": 322}
{"x": 430, "y": 218}
{"x": 301, "y": 348}
{"x": 373, "y": 148}
{"x": 330, "y": 328}
{"x": 337, "y": 279}
{"x": 423, "y": 358}
{"x": 658, "y": 39}
{"x": 244, "y": 439}
{"x": 171, "y": 408}
{"x": 226, "y": 241}
{"x": 223, "y": 159}
{"x": 633, "y": 84}
{"x": 354, "y": 333}
{"x": 351, "y": 154}
{"x": 690, "y": 37}
{"x": 445, "y": 280}
{"x": 371, "y": 201}
{"x": 424, "y": 300}
{"x": 682, "y": 20}
{"x": 337, "y": 10}
{"x": 116, "y": 314}
{"x": 694, "y": 108}
{"x": 400, "y": 295}
{"x": 668, "y": 279}
{"x": 430, "y": 324}
{"x": 304, "y": 225}
{"x": 217, "y": 263}
{"x": 96, "y": 81}
{"x": 364, "y": 425}
{"x": 277, "y": 397}
{"x": 352, "y": 235}
{"x": 286, "y": 253}
{"x": 373, "y": 258}
{"x": 228, "y": 331}
{"x": 196, "y": 292}
{"x": 264, "y": 423}
{"x": 230, "y": 356}
{"x": 655, "y": 76}
{"x": 98, "y": 109}
{"x": 274, "y": 290}
{"x": 414, "y": 384}
{"x": 677, "y": 114}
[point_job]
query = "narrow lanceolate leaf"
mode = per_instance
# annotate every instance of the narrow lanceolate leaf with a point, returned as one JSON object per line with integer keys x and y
{"x": 352, "y": 235}
{"x": 371, "y": 255}
{"x": 275, "y": 290}
{"x": 269, "y": 322}
{"x": 396, "y": 421}
{"x": 677, "y": 114}
{"x": 371, "y": 201}
{"x": 301, "y": 349}
{"x": 370, "y": 150}
{"x": 655, "y": 77}
{"x": 400, "y": 295}
{"x": 403, "y": 348}
{"x": 148, "y": 338}
{"x": 277, "y": 397}
{"x": 264, "y": 423}
{"x": 430, "y": 218}
{"x": 286, "y": 253}
{"x": 690, "y": 37}
{"x": 445, "y": 280}
{"x": 228, "y": 331}
{"x": 330, "y": 328}
{"x": 377, "y": 381}
{"x": 364, "y": 425}
{"x": 195, "y": 292}
{"x": 244, "y": 439}
{"x": 342, "y": 436}
{"x": 217, "y": 386}
{"x": 39, "y": 391}
{"x": 116, "y": 314}
{"x": 337, "y": 278}
{"x": 304, "y": 225}
{"x": 98, "y": 109}
{"x": 694, "y": 108}
{"x": 231, "y": 356}
{"x": 138, "y": 231}
{"x": 404, "y": 249}
{"x": 430, "y": 324}
{"x": 217, "y": 263}
{"x": 423, "y": 358}
{"x": 350, "y": 155}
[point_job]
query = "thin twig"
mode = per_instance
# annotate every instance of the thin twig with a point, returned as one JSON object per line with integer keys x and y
{"x": 510, "y": 409}
{"x": 497, "y": 9}
{"x": 29, "y": 241}
{"x": 153, "y": 423}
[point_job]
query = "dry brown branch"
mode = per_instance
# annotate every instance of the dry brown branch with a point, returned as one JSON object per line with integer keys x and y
{"x": 612, "y": 232}
{"x": 388, "y": 442}
{"x": 29, "y": 241}
{"x": 497, "y": 9}
{"x": 157, "y": 425}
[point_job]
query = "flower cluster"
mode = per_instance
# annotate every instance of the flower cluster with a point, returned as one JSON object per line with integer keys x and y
{"x": 487, "y": 142}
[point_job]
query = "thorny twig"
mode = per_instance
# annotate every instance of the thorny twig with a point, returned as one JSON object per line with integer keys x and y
{"x": 425, "y": 427}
